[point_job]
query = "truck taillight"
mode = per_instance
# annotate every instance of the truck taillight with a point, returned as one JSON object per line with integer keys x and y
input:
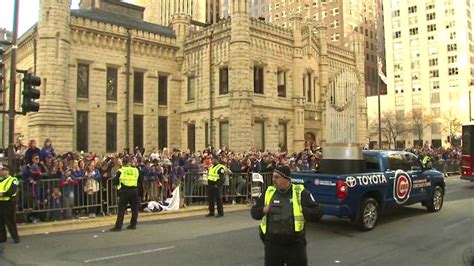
{"x": 341, "y": 188}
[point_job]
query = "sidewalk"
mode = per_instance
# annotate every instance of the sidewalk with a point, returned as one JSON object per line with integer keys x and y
{"x": 108, "y": 221}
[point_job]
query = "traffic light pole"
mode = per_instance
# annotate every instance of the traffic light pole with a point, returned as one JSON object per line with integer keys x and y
{"x": 11, "y": 105}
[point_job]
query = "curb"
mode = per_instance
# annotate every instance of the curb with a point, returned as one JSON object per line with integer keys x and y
{"x": 108, "y": 221}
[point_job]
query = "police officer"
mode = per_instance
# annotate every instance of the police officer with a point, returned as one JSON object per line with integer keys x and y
{"x": 283, "y": 209}
{"x": 127, "y": 181}
{"x": 215, "y": 180}
{"x": 8, "y": 189}
{"x": 426, "y": 161}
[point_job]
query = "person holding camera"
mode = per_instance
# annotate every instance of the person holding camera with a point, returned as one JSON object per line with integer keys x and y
{"x": 283, "y": 209}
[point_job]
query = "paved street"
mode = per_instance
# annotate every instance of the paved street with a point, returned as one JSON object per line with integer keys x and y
{"x": 409, "y": 236}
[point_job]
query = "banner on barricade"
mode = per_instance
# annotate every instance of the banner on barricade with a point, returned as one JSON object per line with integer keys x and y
{"x": 202, "y": 180}
{"x": 256, "y": 191}
{"x": 256, "y": 177}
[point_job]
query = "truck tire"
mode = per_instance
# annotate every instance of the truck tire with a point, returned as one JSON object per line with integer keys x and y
{"x": 435, "y": 203}
{"x": 368, "y": 214}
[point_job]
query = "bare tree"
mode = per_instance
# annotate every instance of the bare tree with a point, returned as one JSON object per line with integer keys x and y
{"x": 419, "y": 122}
{"x": 373, "y": 129}
{"x": 393, "y": 127}
{"x": 452, "y": 127}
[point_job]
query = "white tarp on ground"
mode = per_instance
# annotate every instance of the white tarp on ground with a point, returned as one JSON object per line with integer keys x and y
{"x": 171, "y": 203}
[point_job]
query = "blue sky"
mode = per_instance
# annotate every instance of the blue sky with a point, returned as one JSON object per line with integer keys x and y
{"x": 28, "y": 14}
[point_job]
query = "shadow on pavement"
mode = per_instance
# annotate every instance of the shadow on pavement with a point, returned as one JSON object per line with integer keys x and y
{"x": 345, "y": 227}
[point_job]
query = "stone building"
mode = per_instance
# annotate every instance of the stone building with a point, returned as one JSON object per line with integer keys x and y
{"x": 241, "y": 82}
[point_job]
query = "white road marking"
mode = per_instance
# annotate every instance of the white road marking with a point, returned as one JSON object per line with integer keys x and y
{"x": 457, "y": 223}
{"x": 128, "y": 254}
{"x": 456, "y": 190}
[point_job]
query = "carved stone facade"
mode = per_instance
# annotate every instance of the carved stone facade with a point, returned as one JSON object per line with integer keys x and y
{"x": 241, "y": 82}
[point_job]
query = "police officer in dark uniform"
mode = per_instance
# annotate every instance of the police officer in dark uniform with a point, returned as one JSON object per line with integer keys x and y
{"x": 127, "y": 181}
{"x": 215, "y": 180}
{"x": 8, "y": 189}
{"x": 283, "y": 209}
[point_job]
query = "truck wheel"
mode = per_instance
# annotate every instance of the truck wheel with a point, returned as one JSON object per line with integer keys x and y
{"x": 368, "y": 214}
{"x": 435, "y": 203}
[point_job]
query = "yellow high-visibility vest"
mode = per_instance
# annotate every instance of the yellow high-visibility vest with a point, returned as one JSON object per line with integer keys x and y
{"x": 425, "y": 160}
{"x": 128, "y": 177}
{"x": 5, "y": 186}
{"x": 214, "y": 172}
{"x": 297, "y": 208}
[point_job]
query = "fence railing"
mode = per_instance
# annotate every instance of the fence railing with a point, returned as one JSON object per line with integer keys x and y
{"x": 57, "y": 199}
{"x": 447, "y": 166}
{"x": 237, "y": 187}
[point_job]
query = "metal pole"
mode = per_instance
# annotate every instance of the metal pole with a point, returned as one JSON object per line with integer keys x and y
{"x": 127, "y": 94}
{"x": 380, "y": 120}
{"x": 11, "y": 105}
{"x": 211, "y": 102}
{"x": 470, "y": 116}
{"x": 3, "y": 103}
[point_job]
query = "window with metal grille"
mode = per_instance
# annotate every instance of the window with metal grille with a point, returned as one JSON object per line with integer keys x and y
{"x": 191, "y": 88}
{"x": 224, "y": 80}
{"x": 258, "y": 79}
{"x": 281, "y": 87}
{"x": 82, "y": 80}
{"x": 138, "y": 87}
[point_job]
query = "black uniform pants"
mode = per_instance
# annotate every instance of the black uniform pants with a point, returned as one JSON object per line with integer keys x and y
{"x": 127, "y": 195}
{"x": 214, "y": 196}
{"x": 7, "y": 218}
{"x": 290, "y": 255}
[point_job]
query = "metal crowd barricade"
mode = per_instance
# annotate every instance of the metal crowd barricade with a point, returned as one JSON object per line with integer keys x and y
{"x": 195, "y": 187}
{"x": 46, "y": 199}
{"x": 51, "y": 198}
{"x": 453, "y": 166}
{"x": 440, "y": 166}
{"x": 447, "y": 166}
{"x": 260, "y": 183}
{"x": 154, "y": 190}
{"x": 237, "y": 187}
{"x": 112, "y": 196}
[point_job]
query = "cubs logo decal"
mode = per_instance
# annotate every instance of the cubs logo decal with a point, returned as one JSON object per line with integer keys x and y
{"x": 402, "y": 186}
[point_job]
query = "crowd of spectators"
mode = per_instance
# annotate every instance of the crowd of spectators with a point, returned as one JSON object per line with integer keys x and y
{"x": 437, "y": 154}
{"x": 61, "y": 182}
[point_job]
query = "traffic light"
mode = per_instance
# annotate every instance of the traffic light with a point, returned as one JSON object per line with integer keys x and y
{"x": 30, "y": 94}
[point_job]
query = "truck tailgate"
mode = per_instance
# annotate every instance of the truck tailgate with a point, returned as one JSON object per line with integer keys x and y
{"x": 321, "y": 186}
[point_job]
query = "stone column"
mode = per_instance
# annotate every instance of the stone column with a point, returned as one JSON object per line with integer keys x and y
{"x": 180, "y": 23}
{"x": 55, "y": 119}
{"x": 298, "y": 72}
{"x": 240, "y": 79}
